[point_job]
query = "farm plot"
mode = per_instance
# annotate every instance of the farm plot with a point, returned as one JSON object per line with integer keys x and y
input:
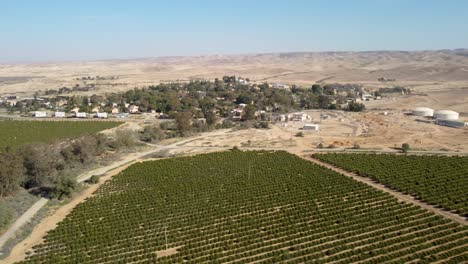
{"x": 242, "y": 207}
{"x": 16, "y": 133}
{"x": 441, "y": 181}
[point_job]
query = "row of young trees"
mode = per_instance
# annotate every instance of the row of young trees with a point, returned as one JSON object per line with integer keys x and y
{"x": 244, "y": 207}
{"x": 438, "y": 180}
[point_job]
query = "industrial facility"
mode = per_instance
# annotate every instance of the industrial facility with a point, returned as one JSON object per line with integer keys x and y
{"x": 423, "y": 111}
{"x": 446, "y": 115}
{"x": 442, "y": 117}
{"x": 452, "y": 123}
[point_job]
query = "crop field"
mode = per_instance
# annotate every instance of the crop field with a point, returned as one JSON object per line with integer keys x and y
{"x": 244, "y": 207}
{"x": 16, "y": 133}
{"x": 442, "y": 181}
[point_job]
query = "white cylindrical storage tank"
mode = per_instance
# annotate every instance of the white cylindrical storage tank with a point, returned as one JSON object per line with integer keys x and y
{"x": 446, "y": 114}
{"x": 423, "y": 111}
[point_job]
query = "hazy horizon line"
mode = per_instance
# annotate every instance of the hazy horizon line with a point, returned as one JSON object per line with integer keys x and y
{"x": 6, "y": 62}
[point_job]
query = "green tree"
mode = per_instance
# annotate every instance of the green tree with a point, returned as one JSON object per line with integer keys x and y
{"x": 356, "y": 107}
{"x": 317, "y": 89}
{"x": 152, "y": 133}
{"x": 405, "y": 147}
{"x": 65, "y": 186}
{"x": 40, "y": 164}
{"x": 210, "y": 118}
{"x": 124, "y": 138}
{"x": 249, "y": 113}
{"x": 11, "y": 172}
{"x": 183, "y": 123}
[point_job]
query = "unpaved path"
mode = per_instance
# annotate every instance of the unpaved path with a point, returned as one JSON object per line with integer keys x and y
{"x": 398, "y": 195}
{"x": 29, "y": 214}
{"x": 50, "y": 222}
{"x": 26, "y": 217}
{"x": 19, "y": 251}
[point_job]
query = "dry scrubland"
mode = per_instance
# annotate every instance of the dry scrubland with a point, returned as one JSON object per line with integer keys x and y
{"x": 239, "y": 207}
{"x": 423, "y": 71}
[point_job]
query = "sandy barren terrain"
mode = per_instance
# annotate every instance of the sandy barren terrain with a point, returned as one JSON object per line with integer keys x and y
{"x": 422, "y": 71}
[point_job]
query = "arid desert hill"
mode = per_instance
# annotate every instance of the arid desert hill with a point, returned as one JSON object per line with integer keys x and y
{"x": 419, "y": 70}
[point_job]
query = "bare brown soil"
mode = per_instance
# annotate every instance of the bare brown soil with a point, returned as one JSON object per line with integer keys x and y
{"x": 421, "y": 71}
{"x": 167, "y": 252}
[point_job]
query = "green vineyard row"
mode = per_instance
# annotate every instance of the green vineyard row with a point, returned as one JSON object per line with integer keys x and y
{"x": 243, "y": 207}
{"x": 16, "y": 133}
{"x": 442, "y": 181}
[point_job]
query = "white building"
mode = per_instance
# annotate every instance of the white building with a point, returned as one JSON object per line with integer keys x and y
{"x": 80, "y": 115}
{"x": 101, "y": 115}
{"x": 237, "y": 113}
{"x": 314, "y": 127}
{"x": 59, "y": 114}
{"x": 39, "y": 114}
{"x": 280, "y": 86}
{"x": 301, "y": 116}
{"x": 446, "y": 115}
{"x": 133, "y": 109}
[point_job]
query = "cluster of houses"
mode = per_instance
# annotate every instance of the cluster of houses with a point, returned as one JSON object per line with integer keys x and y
{"x": 60, "y": 102}
{"x": 297, "y": 117}
{"x": 76, "y": 114}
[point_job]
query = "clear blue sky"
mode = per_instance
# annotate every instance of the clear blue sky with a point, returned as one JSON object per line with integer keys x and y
{"x": 47, "y": 30}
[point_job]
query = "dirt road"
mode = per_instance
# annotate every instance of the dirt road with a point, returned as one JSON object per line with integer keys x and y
{"x": 29, "y": 214}
{"x": 398, "y": 195}
{"x": 26, "y": 217}
{"x": 49, "y": 223}
{"x": 219, "y": 140}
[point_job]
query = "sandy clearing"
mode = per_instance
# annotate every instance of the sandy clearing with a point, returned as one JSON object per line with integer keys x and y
{"x": 167, "y": 252}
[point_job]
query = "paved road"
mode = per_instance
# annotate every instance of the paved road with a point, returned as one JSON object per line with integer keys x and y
{"x": 398, "y": 195}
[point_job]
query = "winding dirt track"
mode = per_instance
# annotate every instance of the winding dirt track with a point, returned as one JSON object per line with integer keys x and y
{"x": 400, "y": 196}
{"x": 26, "y": 217}
{"x": 50, "y": 222}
